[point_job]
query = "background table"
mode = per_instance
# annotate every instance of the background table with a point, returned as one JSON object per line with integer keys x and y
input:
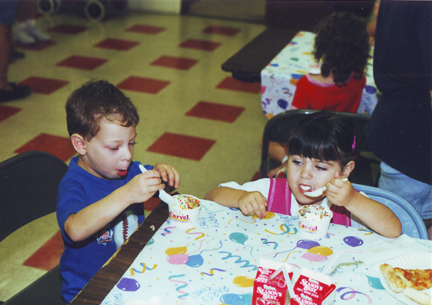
{"x": 216, "y": 261}
{"x": 279, "y": 78}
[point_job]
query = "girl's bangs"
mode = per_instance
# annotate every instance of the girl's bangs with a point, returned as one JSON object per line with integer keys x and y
{"x": 314, "y": 148}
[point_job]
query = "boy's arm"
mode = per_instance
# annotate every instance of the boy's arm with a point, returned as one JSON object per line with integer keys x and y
{"x": 96, "y": 216}
{"x": 249, "y": 203}
{"x": 375, "y": 215}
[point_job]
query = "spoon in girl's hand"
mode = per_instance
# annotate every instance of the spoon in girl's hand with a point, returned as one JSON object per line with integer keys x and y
{"x": 319, "y": 191}
{"x": 164, "y": 196}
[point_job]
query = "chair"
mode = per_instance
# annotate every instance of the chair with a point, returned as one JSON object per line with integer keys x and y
{"x": 28, "y": 191}
{"x": 279, "y": 127}
{"x": 412, "y": 223}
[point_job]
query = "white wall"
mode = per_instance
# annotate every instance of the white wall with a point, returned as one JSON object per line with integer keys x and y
{"x": 160, "y": 6}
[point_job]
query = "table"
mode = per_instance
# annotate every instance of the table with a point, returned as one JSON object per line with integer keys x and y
{"x": 215, "y": 262}
{"x": 246, "y": 65}
{"x": 280, "y": 76}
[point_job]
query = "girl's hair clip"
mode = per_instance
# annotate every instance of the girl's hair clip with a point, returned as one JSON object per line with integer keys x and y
{"x": 354, "y": 143}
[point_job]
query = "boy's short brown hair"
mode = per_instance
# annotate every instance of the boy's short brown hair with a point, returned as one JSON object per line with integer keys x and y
{"x": 96, "y": 99}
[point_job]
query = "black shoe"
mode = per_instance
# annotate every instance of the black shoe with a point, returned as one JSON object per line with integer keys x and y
{"x": 17, "y": 92}
{"x": 15, "y": 54}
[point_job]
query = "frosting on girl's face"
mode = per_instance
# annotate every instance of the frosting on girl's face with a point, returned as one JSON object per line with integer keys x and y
{"x": 306, "y": 175}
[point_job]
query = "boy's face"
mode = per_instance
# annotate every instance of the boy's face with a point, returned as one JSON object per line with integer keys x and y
{"x": 109, "y": 153}
{"x": 306, "y": 175}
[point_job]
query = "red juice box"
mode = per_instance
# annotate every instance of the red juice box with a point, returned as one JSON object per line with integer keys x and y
{"x": 270, "y": 286}
{"x": 313, "y": 288}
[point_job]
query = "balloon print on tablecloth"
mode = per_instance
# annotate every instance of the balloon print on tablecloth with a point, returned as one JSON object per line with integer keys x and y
{"x": 374, "y": 282}
{"x": 236, "y": 299}
{"x": 353, "y": 241}
{"x": 178, "y": 256}
{"x": 295, "y": 78}
{"x": 268, "y": 215}
{"x": 317, "y": 254}
{"x": 243, "y": 281}
{"x": 240, "y": 238}
{"x": 127, "y": 284}
{"x": 283, "y": 104}
{"x": 303, "y": 244}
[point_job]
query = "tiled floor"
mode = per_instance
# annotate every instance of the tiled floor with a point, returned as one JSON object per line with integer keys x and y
{"x": 193, "y": 115}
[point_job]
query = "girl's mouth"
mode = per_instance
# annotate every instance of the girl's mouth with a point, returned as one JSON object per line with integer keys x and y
{"x": 305, "y": 188}
{"x": 122, "y": 173}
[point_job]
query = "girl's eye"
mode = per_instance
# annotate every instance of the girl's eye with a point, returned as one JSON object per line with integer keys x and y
{"x": 133, "y": 143}
{"x": 296, "y": 162}
{"x": 321, "y": 168}
{"x": 113, "y": 148}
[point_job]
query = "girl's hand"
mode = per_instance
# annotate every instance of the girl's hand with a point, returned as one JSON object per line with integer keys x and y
{"x": 169, "y": 175}
{"x": 340, "y": 192}
{"x": 142, "y": 187}
{"x": 251, "y": 203}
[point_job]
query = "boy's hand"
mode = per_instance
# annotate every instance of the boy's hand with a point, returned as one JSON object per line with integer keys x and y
{"x": 142, "y": 187}
{"x": 251, "y": 203}
{"x": 340, "y": 192}
{"x": 169, "y": 175}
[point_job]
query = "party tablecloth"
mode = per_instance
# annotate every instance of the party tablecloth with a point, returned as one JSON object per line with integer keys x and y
{"x": 280, "y": 77}
{"x": 215, "y": 262}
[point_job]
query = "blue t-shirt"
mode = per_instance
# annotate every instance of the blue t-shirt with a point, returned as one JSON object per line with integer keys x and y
{"x": 77, "y": 190}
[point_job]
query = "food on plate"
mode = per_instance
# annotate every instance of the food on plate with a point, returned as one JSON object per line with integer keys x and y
{"x": 399, "y": 279}
{"x": 418, "y": 296}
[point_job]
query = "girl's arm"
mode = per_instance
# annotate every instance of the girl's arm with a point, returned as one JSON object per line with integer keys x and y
{"x": 375, "y": 215}
{"x": 249, "y": 203}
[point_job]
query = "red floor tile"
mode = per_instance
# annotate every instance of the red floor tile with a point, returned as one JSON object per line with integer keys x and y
{"x": 145, "y": 29}
{"x": 7, "y": 111}
{"x": 44, "y": 85}
{"x": 58, "y": 146}
{"x": 116, "y": 44}
{"x": 82, "y": 62}
{"x": 213, "y": 111}
{"x": 141, "y": 84}
{"x": 39, "y": 46}
{"x": 230, "y": 83}
{"x": 181, "y": 146}
{"x": 221, "y": 30}
{"x": 203, "y": 45}
{"x": 175, "y": 62}
{"x": 69, "y": 29}
{"x": 47, "y": 256}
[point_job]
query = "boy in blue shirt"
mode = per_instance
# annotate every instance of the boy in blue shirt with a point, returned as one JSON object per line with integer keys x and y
{"x": 100, "y": 199}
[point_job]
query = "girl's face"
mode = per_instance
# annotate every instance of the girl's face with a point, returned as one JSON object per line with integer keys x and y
{"x": 306, "y": 175}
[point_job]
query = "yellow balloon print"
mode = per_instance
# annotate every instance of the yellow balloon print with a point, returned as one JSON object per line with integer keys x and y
{"x": 321, "y": 250}
{"x": 268, "y": 215}
{"x": 243, "y": 281}
{"x": 175, "y": 250}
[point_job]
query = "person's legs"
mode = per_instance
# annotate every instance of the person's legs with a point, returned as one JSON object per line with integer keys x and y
{"x": 417, "y": 193}
{"x": 26, "y": 31}
{"x": 8, "y": 91}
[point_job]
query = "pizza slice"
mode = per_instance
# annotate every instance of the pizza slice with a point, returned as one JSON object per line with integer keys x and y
{"x": 410, "y": 281}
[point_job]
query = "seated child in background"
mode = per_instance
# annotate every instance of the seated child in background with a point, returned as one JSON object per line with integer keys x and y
{"x": 320, "y": 154}
{"x": 100, "y": 199}
{"x": 342, "y": 48}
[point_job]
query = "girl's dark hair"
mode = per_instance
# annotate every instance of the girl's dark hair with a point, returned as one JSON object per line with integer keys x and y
{"x": 325, "y": 136}
{"x": 342, "y": 43}
{"x": 96, "y": 99}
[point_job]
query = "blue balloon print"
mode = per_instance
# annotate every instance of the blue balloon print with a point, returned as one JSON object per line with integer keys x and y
{"x": 236, "y": 299}
{"x": 296, "y": 76}
{"x": 353, "y": 241}
{"x": 195, "y": 261}
{"x": 127, "y": 284}
{"x": 370, "y": 89}
{"x": 238, "y": 237}
{"x": 282, "y": 104}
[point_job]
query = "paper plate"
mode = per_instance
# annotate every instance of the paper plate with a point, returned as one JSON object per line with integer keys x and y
{"x": 408, "y": 261}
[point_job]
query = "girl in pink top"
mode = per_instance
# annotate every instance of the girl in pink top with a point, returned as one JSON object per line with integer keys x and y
{"x": 320, "y": 154}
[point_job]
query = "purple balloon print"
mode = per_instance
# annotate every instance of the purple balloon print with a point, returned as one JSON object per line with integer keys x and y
{"x": 353, "y": 241}
{"x": 127, "y": 284}
{"x": 282, "y": 104}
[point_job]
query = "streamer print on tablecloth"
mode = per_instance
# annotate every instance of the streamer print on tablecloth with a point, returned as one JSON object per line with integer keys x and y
{"x": 240, "y": 238}
{"x": 268, "y": 215}
{"x": 285, "y": 230}
{"x": 199, "y": 233}
{"x": 239, "y": 260}
{"x": 374, "y": 282}
{"x": 167, "y": 231}
{"x": 133, "y": 270}
{"x": 351, "y": 294}
{"x": 184, "y": 294}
